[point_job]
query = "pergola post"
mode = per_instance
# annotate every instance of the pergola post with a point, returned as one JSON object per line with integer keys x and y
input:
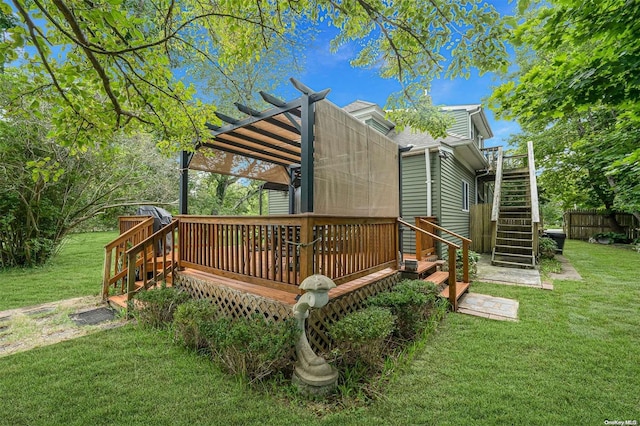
{"x": 306, "y": 142}
{"x": 185, "y": 159}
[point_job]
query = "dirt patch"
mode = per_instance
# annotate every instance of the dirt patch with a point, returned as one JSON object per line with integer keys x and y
{"x": 42, "y": 325}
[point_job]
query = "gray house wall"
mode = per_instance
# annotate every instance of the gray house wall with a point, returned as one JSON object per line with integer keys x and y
{"x": 278, "y": 202}
{"x": 450, "y": 214}
{"x": 460, "y": 126}
{"x": 414, "y": 193}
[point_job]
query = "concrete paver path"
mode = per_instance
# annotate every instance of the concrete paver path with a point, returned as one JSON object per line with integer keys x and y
{"x": 481, "y": 305}
{"x": 509, "y": 276}
{"x": 41, "y": 325}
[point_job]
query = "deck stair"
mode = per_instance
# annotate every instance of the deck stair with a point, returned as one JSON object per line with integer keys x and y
{"x": 138, "y": 259}
{"x": 429, "y": 267}
{"x": 515, "y": 231}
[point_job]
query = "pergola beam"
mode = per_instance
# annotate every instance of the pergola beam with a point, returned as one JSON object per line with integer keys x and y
{"x": 248, "y": 155}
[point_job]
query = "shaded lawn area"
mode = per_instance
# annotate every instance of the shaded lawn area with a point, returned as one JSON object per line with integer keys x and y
{"x": 76, "y": 271}
{"x": 573, "y": 358}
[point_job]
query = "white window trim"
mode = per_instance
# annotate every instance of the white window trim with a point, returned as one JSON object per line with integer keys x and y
{"x": 465, "y": 196}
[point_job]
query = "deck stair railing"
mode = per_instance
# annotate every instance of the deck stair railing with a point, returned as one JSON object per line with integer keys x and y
{"x": 452, "y": 290}
{"x": 515, "y": 214}
{"x": 133, "y": 231}
{"x": 465, "y": 242}
{"x": 155, "y": 259}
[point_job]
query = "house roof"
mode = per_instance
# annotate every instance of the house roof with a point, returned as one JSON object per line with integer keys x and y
{"x": 358, "y": 105}
{"x": 464, "y": 146}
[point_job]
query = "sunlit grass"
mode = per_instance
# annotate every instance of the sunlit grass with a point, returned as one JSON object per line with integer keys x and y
{"x": 75, "y": 271}
{"x": 572, "y": 358}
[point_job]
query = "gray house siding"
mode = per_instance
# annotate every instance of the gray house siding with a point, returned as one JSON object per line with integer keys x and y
{"x": 278, "y": 202}
{"x": 451, "y": 215}
{"x": 460, "y": 126}
{"x": 414, "y": 196}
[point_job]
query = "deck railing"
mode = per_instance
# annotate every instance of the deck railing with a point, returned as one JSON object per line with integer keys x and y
{"x": 127, "y": 222}
{"x": 281, "y": 251}
{"x": 492, "y": 156}
{"x": 155, "y": 259}
{"x": 115, "y": 260}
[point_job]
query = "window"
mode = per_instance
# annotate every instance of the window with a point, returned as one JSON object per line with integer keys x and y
{"x": 465, "y": 196}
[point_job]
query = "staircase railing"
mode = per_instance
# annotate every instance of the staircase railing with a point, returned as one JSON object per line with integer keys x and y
{"x": 495, "y": 210}
{"x": 425, "y": 245}
{"x": 466, "y": 243}
{"x": 115, "y": 259}
{"x": 533, "y": 188}
{"x": 145, "y": 256}
{"x": 452, "y": 262}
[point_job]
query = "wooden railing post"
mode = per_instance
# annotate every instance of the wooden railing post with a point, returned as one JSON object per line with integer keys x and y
{"x": 419, "y": 237}
{"x": 465, "y": 261}
{"x": 131, "y": 275}
{"x": 452, "y": 278}
{"x": 306, "y": 247}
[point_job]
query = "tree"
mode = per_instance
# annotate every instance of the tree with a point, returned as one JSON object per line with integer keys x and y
{"x": 46, "y": 189}
{"x": 115, "y": 64}
{"x": 575, "y": 92}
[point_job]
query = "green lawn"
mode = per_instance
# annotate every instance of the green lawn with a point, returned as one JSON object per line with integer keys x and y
{"x": 573, "y": 358}
{"x": 76, "y": 271}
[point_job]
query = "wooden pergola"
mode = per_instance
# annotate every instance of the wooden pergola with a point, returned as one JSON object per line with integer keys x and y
{"x": 276, "y": 144}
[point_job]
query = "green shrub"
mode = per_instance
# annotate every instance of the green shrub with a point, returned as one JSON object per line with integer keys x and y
{"x": 361, "y": 336}
{"x": 547, "y": 247}
{"x": 472, "y": 258}
{"x": 252, "y": 347}
{"x": 192, "y": 323}
{"x": 155, "y": 308}
{"x": 613, "y": 237}
{"x": 409, "y": 301}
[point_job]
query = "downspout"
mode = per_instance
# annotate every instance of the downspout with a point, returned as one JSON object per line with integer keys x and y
{"x": 471, "y": 122}
{"x": 427, "y": 160}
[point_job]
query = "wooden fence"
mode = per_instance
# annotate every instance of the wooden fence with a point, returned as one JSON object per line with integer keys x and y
{"x": 481, "y": 227}
{"x": 584, "y": 224}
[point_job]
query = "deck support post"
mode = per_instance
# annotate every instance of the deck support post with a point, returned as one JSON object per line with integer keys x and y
{"x": 185, "y": 159}
{"x": 312, "y": 374}
{"x": 306, "y": 155}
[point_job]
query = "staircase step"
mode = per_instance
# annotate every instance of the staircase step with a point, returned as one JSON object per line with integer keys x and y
{"x": 520, "y": 256}
{"x": 423, "y": 266}
{"x": 505, "y": 263}
{"x": 438, "y": 277}
{"x": 508, "y": 246}
{"x": 516, "y": 240}
{"x": 461, "y": 288}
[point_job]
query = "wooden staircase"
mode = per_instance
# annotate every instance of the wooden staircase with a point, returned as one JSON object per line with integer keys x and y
{"x": 429, "y": 268}
{"x": 139, "y": 260}
{"x": 515, "y": 212}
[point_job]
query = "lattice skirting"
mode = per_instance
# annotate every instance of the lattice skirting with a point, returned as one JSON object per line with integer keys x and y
{"x": 234, "y": 303}
{"x": 231, "y": 302}
{"x": 320, "y": 319}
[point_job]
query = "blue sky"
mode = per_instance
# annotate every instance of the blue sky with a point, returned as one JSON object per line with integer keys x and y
{"x": 326, "y": 70}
